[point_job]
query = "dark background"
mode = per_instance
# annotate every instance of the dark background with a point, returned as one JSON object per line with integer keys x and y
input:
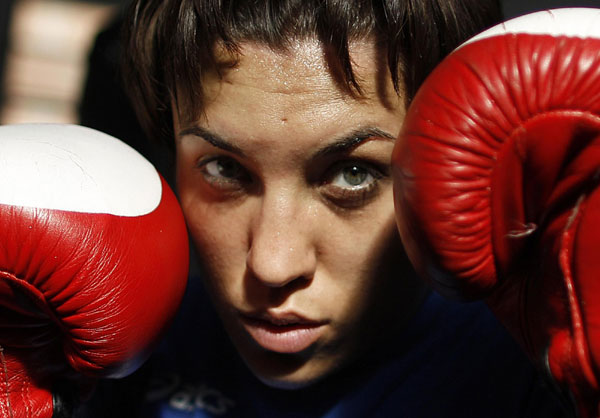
{"x": 511, "y": 7}
{"x": 518, "y": 7}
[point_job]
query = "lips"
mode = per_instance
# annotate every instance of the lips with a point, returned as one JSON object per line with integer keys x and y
{"x": 283, "y": 333}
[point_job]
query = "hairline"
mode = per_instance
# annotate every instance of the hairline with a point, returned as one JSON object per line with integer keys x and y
{"x": 168, "y": 49}
{"x": 232, "y": 58}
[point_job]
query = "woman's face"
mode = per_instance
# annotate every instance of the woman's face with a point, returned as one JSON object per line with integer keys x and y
{"x": 285, "y": 184}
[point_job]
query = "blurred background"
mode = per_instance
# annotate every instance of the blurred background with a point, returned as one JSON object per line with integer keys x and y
{"x": 46, "y": 47}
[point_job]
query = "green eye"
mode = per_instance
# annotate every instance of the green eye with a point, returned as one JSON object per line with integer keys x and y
{"x": 354, "y": 175}
{"x": 225, "y": 174}
{"x": 224, "y": 168}
{"x": 352, "y": 184}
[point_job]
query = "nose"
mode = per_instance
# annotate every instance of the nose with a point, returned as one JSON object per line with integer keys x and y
{"x": 281, "y": 245}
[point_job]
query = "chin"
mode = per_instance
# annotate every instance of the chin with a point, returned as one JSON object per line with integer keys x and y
{"x": 286, "y": 384}
{"x": 288, "y": 372}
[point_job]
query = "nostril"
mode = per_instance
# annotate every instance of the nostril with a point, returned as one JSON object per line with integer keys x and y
{"x": 259, "y": 293}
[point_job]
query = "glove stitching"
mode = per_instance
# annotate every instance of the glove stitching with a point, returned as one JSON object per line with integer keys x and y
{"x": 5, "y": 370}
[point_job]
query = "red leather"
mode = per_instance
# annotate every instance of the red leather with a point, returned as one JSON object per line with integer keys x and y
{"x": 497, "y": 174}
{"x": 83, "y": 296}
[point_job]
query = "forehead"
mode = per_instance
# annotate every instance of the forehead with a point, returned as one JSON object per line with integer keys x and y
{"x": 303, "y": 70}
{"x": 302, "y": 66}
{"x": 275, "y": 101}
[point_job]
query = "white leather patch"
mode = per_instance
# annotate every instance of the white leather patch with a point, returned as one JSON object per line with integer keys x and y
{"x": 73, "y": 168}
{"x": 576, "y": 22}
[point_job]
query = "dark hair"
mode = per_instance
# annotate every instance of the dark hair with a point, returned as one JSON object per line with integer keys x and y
{"x": 171, "y": 43}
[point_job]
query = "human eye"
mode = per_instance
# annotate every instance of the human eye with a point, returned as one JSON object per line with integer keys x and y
{"x": 224, "y": 173}
{"x": 352, "y": 184}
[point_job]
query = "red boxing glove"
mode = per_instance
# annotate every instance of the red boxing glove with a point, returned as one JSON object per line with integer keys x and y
{"x": 93, "y": 261}
{"x": 497, "y": 174}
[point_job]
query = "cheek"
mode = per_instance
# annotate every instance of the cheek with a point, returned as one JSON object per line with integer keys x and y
{"x": 219, "y": 237}
{"x": 361, "y": 253}
{"x": 362, "y": 240}
{"x": 213, "y": 228}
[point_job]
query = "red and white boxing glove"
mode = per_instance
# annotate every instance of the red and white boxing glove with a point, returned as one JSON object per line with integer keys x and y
{"x": 93, "y": 261}
{"x": 497, "y": 186}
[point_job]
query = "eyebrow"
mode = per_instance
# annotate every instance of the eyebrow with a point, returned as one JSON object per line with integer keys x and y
{"x": 212, "y": 138}
{"x": 354, "y": 139}
{"x": 338, "y": 146}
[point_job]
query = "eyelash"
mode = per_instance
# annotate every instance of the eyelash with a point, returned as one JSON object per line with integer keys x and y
{"x": 343, "y": 197}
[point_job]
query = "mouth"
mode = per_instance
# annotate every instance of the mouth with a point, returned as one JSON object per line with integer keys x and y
{"x": 284, "y": 333}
